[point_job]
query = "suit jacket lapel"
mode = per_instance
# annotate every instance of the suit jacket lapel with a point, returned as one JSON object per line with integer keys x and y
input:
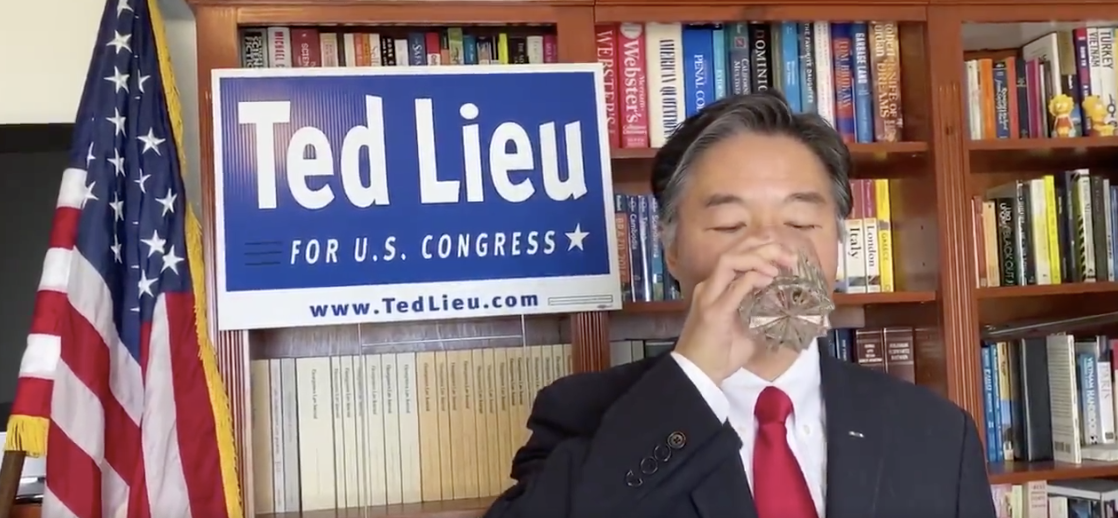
{"x": 725, "y": 492}
{"x": 855, "y": 441}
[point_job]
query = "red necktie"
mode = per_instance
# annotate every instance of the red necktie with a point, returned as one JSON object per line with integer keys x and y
{"x": 779, "y": 488}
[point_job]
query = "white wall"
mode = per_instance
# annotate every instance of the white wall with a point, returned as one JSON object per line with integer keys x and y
{"x": 43, "y": 83}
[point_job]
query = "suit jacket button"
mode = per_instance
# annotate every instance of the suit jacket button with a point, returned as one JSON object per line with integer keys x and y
{"x": 632, "y": 480}
{"x": 649, "y": 466}
{"x": 661, "y": 453}
{"x": 677, "y": 440}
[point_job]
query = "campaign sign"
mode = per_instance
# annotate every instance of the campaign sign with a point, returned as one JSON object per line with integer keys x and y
{"x": 351, "y": 195}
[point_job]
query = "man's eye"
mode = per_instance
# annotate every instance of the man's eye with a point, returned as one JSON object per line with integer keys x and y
{"x": 802, "y": 227}
{"x": 728, "y": 228}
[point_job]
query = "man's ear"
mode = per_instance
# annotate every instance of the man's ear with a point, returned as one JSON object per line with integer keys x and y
{"x": 671, "y": 255}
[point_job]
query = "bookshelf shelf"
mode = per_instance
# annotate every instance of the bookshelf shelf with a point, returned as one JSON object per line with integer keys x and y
{"x": 1021, "y": 472}
{"x": 1078, "y": 288}
{"x": 464, "y": 508}
{"x": 875, "y": 151}
{"x": 1041, "y": 154}
{"x": 841, "y": 300}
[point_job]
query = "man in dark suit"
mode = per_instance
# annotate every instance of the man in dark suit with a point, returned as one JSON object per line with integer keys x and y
{"x": 722, "y": 427}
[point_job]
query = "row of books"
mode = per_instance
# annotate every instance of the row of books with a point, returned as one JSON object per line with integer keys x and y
{"x": 1050, "y": 398}
{"x": 1062, "y": 84}
{"x": 1050, "y": 230}
{"x": 285, "y": 47}
{"x": 363, "y": 430}
{"x": 656, "y": 73}
{"x": 1082, "y": 498}
{"x": 865, "y": 264}
{"x": 849, "y": 73}
{"x": 890, "y": 349}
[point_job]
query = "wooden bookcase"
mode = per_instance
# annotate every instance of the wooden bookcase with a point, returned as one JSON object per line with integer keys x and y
{"x": 934, "y": 172}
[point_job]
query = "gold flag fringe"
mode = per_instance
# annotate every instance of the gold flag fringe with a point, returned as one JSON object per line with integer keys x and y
{"x": 219, "y": 399}
{"x": 27, "y": 434}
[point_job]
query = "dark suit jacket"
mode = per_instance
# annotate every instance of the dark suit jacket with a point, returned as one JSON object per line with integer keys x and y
{"x": 638, "y": 441}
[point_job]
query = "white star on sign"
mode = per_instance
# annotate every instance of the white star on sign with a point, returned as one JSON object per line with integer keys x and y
{"x": 117, "y": 161}
{"x": 116, "y": 249}
{"x": 118, "y": 207}
{"x": 120, "y": 42}
{"x": 155, "y": 244}
{"x": 576, "y": 238}
{"x": 171, "y": 261}
{"x": 119, "y": 81}
{"x": 145, "y": 284}
{"x": 168, "y": 202}
{"x": 143, "y": 178}
{"x": 118, "y": 121}
{"x": 151, "y": 142}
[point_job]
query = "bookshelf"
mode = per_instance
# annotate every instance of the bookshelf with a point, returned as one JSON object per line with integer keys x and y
{"x": 933, "y": 171}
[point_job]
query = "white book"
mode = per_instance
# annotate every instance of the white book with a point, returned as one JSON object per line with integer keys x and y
{"x": 389, "y": 392}
{"x": 289, "y": 391}
{"x": 408, "y": 415}
{"x": 403, "y": 55}
{"x": 279, "y": 488}
{"x": 349, "y": 49}
{"x": 1086, "y": 223}
{"x": 361, "y": 431}
{"x": 350, "y": 496}
{"x": 664, "y": 71}
{"x": 1038, "y": 217}
{"x": 1063, "y": 398}
{"x": 824, "y": 72}
{"x": 279, "y": 47}
{"x": 341, "y": 458}
{"x": 375, "y": 58}
{"x": 328, "y": 44}
{"x": 263, "y": 496}
{"x": 374, "y": 429}
{"x": 316, "y": 425}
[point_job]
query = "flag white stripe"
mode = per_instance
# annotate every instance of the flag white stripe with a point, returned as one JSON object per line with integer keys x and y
{"x": 92, "y": 299}
{"x": 56, "y": 270}
{"x": 78, "y": 413}
{"x": 72, "y": 192}
{"x": 54, "y": 508}
{"x": 41, "y": 357}
{"x": 166, "y": 486}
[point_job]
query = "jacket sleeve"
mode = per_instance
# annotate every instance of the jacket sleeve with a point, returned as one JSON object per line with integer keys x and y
{"x": 653, "y": 444}
{"x": 975, "y": 500}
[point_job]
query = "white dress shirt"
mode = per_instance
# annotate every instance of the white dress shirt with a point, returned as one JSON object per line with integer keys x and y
{"x": 737, "y": 397}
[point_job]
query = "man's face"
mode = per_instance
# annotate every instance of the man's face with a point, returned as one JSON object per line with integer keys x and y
{"x": 768, "y": 187}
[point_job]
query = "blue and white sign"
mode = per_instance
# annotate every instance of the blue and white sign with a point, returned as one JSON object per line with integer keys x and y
{"x": 385, "y": 194}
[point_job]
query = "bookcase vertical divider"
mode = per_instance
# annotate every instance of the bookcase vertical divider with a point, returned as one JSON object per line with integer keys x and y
{"x": 959, "y": 323}
{"x": 217, "y": 27}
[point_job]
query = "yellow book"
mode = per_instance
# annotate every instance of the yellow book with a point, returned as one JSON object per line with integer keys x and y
{"x": 1051, "y": 222}
{"x": 497, "y": 466}
{"x": 501, "y": 371}
{"x": 884, "y": 235}
{"x": 468, "y": 437}
{"x": 458, "y": 443}
{"x": 481, "y": 433}
{"x": 446, "y": 436}
{"x": 429, "y": 468}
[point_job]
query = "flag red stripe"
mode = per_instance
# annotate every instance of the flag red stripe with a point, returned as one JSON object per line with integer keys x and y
{"x": 197, "y": 431}
{"x": 51, "y": 309}
{"x": 34, "y": 397}
{"x": 80, "y": 489}
{"x": 64, "y": 232}
{"x": 86, "y": 354}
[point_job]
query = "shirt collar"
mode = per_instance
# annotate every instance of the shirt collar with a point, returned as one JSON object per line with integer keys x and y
{"x": 801, "y": 382}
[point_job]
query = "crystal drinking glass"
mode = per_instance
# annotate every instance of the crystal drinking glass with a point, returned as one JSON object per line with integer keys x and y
{"x": 794, "y": 309}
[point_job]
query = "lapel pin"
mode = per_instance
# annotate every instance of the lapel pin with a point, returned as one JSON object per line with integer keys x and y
{"x": 856, "y": 434}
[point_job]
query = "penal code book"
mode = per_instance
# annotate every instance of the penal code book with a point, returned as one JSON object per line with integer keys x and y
{"x": 356, "y": 431}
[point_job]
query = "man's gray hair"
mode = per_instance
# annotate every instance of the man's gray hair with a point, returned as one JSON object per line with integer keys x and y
{"x": 765, "y": 113}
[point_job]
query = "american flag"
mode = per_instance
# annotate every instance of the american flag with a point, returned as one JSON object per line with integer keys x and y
{"x": 118, "y": 385}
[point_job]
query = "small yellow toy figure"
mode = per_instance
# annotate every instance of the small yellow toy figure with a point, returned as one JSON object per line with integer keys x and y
{"x": 1095, "y": 111}
{"x": 1060, "y": 108}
